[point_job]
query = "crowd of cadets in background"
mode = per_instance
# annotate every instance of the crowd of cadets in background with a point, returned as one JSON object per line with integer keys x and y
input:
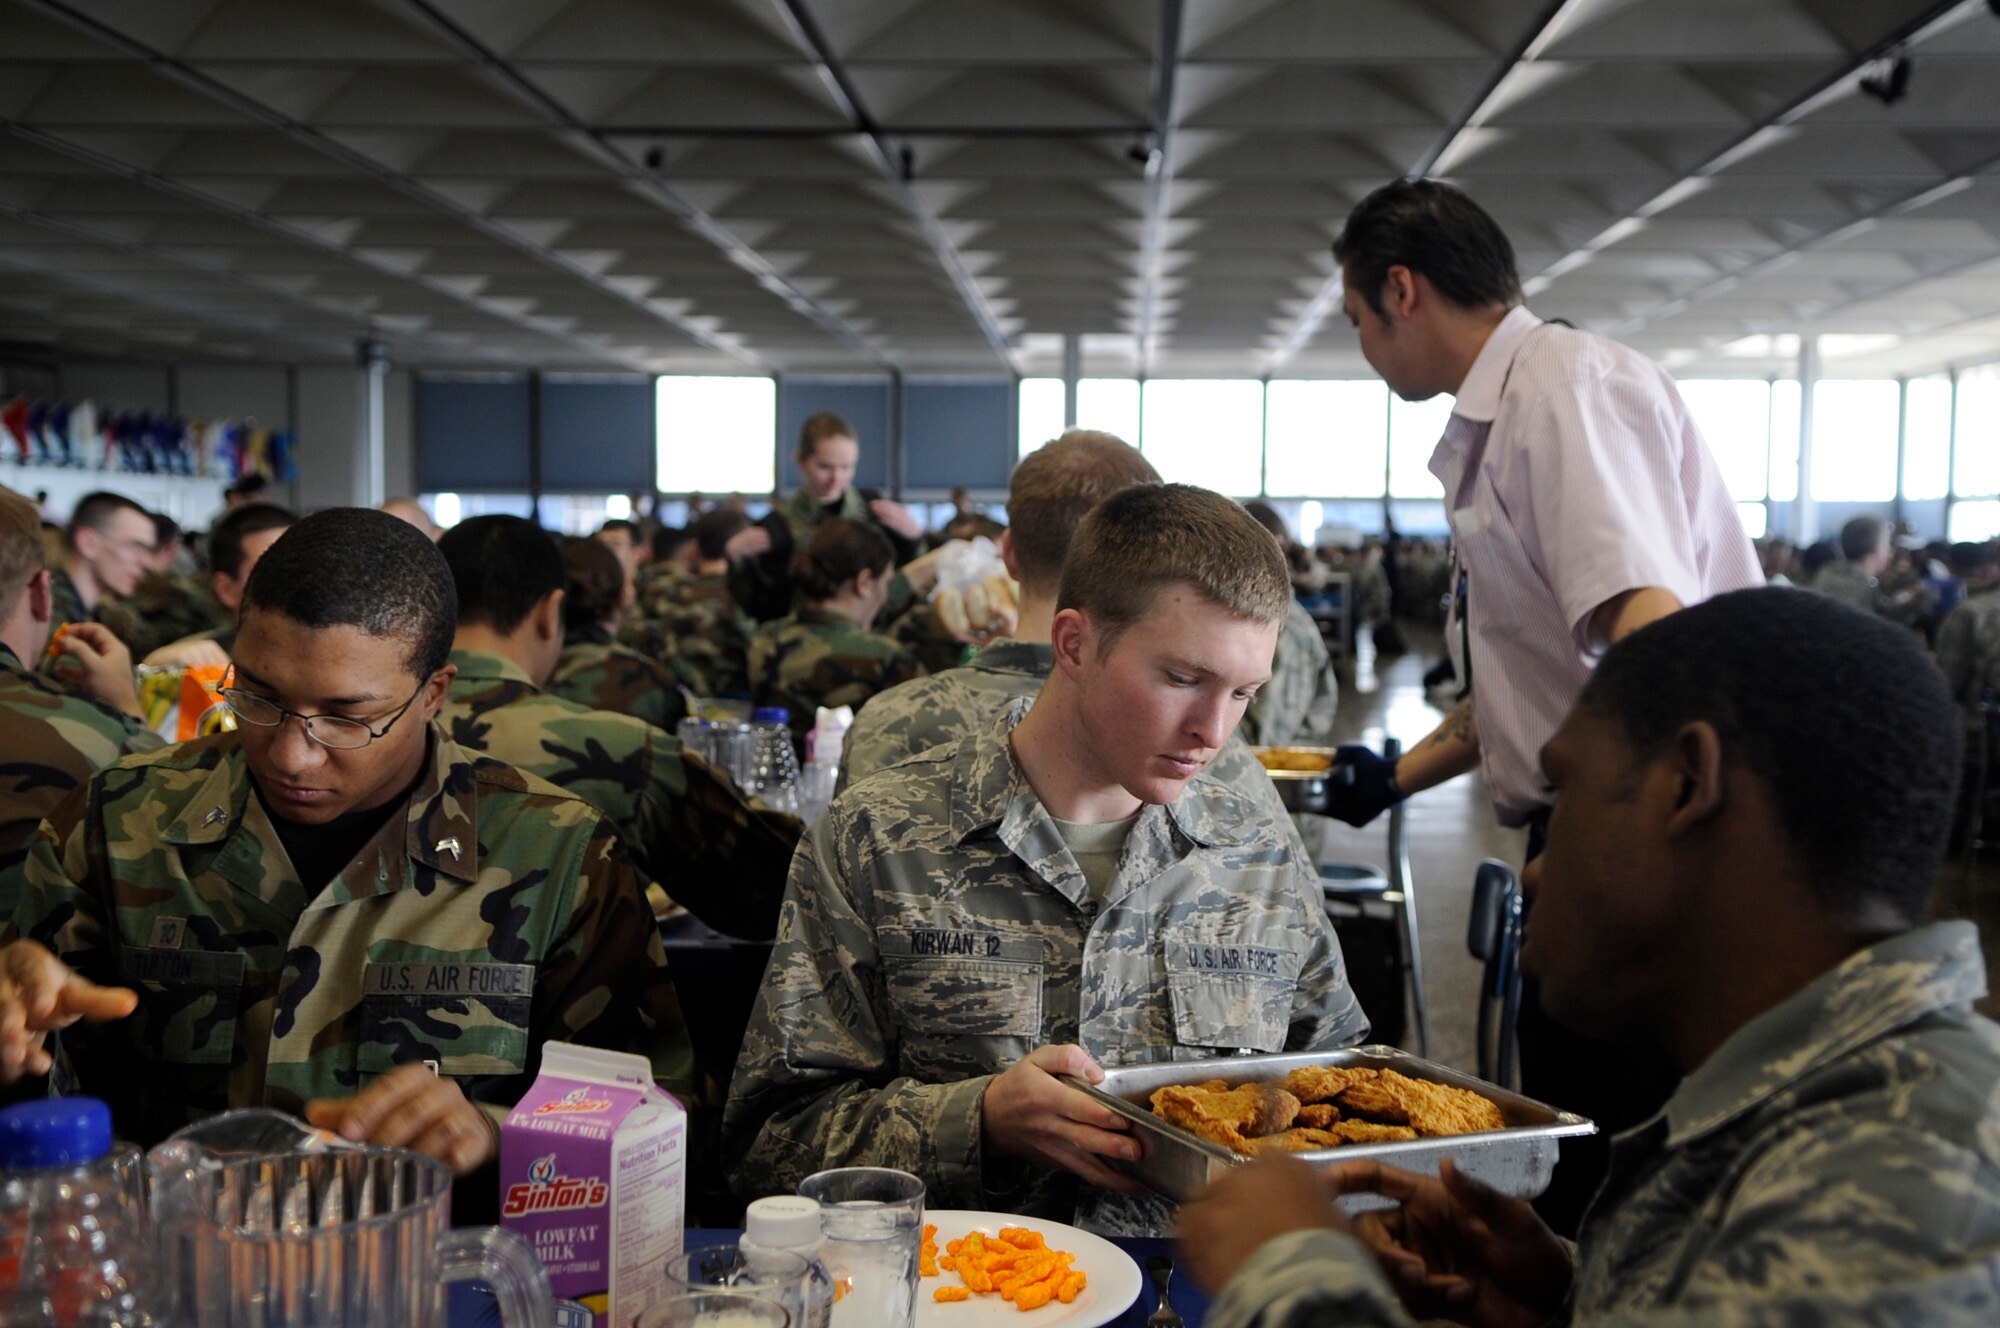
{"x": 662, "y": 616}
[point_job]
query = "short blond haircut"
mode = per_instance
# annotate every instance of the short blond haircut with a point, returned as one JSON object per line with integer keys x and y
{"x": 1137, "y": 543}
{"x": 1055, "y": 486}
{"x": 23, "y": 550}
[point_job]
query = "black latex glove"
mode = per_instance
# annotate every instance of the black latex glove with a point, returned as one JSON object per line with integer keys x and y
{"x": 1361, "y": 785}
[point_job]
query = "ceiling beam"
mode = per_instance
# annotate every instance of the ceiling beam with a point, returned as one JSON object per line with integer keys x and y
{"x": 1550, "y": 22}
{"x": 840, "y": 86}
{"x": 258, "y": 328}
{"x": 300, "y": 132}
{"x": 1759, "y": 136}
{"x": 1914, "y": 201}
{"x": 651, "y": 186}
{"x": 1159, "y": 176}
{"x": 1052, "y": 133}
{"x": 297, "y": 235}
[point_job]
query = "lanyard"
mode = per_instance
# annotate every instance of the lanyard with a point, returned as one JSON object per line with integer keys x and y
{"x": 1461, "y": 581}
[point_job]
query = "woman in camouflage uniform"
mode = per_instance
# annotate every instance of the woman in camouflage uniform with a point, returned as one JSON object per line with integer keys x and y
{"x": 824, "y": 654}
{"x": 760, "y": 558}
{"x": 594, "y": 669}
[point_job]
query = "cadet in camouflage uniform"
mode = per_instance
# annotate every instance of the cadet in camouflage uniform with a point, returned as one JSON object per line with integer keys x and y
{"x": 53, "y": 739}
{"x": 304, "y": 927}
{"x": 105, "y": 548}
{"x": 1833, "y": 1154}
{"x": 1853, "y": 580}
{"x": 168, "y": 604}
{"x": 1968, "y": 641}
{"x": 683, "y": 821}
{"x": 594, "y": 670}
{"x": 687, "y": 619}
{"x": 236, "y": 541}
{"x": 1297, "y": 705}
{"x": 761, "y": 558}
{"x": 1051, "y": 490}
{"x": 824, "y": 654}
{"x": 945, "y": 936}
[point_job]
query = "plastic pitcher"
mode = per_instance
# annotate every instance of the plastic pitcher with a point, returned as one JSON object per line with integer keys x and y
{"x": 264, "y": 1223}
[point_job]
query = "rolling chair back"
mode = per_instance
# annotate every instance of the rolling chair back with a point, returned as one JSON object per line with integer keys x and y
{"x": 1493, "y": 935}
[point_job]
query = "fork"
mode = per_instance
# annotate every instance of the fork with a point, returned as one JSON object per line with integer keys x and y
{"x": 1161, "y": 1269}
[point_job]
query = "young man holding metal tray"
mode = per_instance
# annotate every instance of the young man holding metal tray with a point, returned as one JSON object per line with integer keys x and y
{"x": 1066, "y": 888}
{"x": 1753, "y": 799}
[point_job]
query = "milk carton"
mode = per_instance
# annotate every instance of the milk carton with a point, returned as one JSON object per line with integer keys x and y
{"x": 592, "y": 1162}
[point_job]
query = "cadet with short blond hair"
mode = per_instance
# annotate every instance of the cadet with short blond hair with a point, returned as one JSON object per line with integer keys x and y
{"x": 1066, "y": 888}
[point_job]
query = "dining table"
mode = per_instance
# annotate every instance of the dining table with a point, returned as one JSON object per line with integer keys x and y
{"x": 472, "y": 1307}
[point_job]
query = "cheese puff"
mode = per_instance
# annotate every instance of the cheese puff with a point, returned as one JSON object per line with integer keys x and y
{"x": 1034, "y": 1296}
{"x": 947, "y": 1294}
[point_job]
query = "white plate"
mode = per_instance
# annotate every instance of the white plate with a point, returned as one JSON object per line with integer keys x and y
{"x": 1112, "y": 1284}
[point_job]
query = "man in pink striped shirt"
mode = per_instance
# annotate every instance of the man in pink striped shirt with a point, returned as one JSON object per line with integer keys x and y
{"x": 1583, "y": 505}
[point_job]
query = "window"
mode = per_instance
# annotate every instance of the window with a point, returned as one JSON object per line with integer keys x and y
{"x": 1854, "y": 440}
{"x": 448, "y": 509}
{"x": 1206, "y": 431}
{"x": 1414, "y": 430}
{"x": 1041, "y": 412}
{"x": 718, "y": 435}
{"x": 1927, "y": 438}
{"x": 1328, "y": 439}
{"x": 1785, "y": 441}
{"x": 1755, "y": 517}
{"x": 1975, "y": 522}
{"x": 1978, "y": 446}
{"x": 1109, "y": 405}
{"x": 1734, "y": 416}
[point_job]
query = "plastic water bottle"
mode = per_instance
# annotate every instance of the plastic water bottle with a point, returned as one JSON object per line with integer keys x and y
{"x": 791, "y": 1223}
{"x": 822, "y": 772}
{"x": 74, "y": 1246}
{"x": 774, "y": 767}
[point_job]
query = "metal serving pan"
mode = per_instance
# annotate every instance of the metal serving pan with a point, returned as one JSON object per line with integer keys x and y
{"x": 1517, "y": 1160}
{"x": 1302, "y": 790}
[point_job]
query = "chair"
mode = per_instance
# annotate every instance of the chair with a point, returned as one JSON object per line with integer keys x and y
{"x": 1984, "y": 790}
{"x": 1493, "y": 935}
{"x": 1354, "y": 891}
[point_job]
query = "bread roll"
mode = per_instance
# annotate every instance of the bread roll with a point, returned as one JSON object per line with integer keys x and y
{"x": 950, "y": 606}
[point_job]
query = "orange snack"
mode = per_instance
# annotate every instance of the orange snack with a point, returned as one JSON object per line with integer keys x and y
{"x": 927, "y": 1264}
{"x": 1017, "y": 1264}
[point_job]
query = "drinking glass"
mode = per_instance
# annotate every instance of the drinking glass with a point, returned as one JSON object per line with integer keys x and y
{"x": 716, "y": 1309}
{"x": 873, "y": 1218}
{"x": 774, "y": 1275}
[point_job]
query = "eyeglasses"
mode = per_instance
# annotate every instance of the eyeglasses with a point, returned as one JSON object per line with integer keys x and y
{"x": 332, "y": 731}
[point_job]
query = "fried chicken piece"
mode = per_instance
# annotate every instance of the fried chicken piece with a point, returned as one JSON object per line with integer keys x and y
{"x": 1376, "y": 1101}
{"x": 1431, "y": 1109}
{"x": 1226, "y": 1116}
{"x": 1321, "y": 1083}
{"x": 1368, "y": 1132}
{"x": 1295, "y": 1140}
{"x": 1318, "y": 1116}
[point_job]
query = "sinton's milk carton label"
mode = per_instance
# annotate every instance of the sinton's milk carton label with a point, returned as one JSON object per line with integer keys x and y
{"x": 591, "y": 1173}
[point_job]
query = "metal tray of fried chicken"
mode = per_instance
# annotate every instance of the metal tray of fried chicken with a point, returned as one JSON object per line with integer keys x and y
{"x": 1517, "y": 1159}
{"x": 1305, "y": 789}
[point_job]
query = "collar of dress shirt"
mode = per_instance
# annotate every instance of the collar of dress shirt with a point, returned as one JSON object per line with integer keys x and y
{"x": 1479, "y": 395}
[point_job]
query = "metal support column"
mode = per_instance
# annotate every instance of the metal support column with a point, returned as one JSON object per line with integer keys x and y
{"x": 1072, "y": 371}
{"x": 898, "y": 452}
{"x": 1805, "y": 512}
{"x": 1902, "y": 443}
{"x": 373, "y": 357}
